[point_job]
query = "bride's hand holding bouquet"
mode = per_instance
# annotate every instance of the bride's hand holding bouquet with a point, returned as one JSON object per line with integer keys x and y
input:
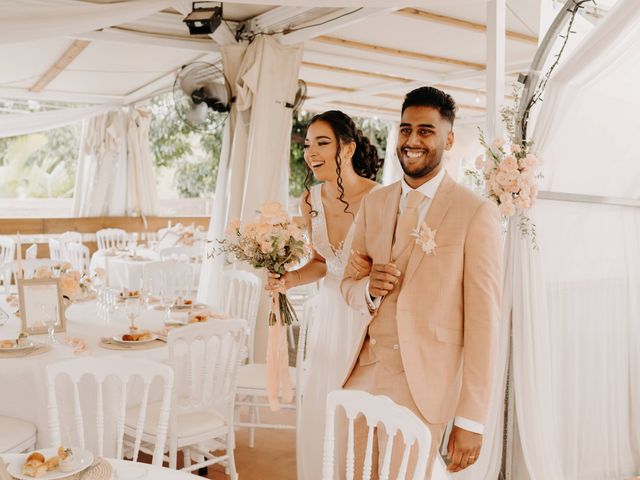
{"x": 274, "y": 242}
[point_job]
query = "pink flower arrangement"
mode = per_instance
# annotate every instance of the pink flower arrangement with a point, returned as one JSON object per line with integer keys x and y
{"x": 271, "y": 241}
{"x": 509, "y": 174}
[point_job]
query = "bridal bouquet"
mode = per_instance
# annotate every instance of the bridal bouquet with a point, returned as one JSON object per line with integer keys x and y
{"x": 274, "y": 242}
{"x": 271, "y": 241}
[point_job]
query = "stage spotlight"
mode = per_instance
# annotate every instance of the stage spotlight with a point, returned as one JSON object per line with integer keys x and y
{"x": 204, "y": 20}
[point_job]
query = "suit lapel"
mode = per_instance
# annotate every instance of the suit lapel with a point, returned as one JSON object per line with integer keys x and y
{"x": 435, "y": 215}
{"x": 390, "y": 217}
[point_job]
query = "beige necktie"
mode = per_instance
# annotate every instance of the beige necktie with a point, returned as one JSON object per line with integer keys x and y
{"x": 407, "y": 222}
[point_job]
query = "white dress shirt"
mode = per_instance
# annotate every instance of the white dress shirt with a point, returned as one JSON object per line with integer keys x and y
{"x": 429, "y": 190}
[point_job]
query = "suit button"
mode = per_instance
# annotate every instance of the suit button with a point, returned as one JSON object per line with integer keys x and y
{"x": 372, "y": 341}
{"x": 396, "y": 346}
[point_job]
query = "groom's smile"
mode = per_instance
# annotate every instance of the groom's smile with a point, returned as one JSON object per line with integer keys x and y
{"x": 422, "y": 138}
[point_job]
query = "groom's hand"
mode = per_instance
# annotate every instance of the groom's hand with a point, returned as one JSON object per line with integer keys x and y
{"x": 383, "y": 279}
{"x": 463, "y": 448}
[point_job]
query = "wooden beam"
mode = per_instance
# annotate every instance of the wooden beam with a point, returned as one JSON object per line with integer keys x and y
{"x": 461, "y": 106}
{"x": 459, "y": 23}
{"x": 63, "y": 62}
{"x": 330, "y": 87}
{"x": 396, "y": 52}
{"x": 351, "y": 71}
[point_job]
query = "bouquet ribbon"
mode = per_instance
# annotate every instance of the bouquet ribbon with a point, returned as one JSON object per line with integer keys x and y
{"x": 278, "y": 378}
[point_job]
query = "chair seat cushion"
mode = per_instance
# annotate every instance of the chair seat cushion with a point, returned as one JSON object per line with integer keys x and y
{"x": 189, "y": 424}
{"x": 14, "y": 433}
{"x": 254, "y": 376}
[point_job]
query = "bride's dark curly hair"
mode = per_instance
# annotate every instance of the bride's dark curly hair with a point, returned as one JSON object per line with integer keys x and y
{"x": 365, "y": 160}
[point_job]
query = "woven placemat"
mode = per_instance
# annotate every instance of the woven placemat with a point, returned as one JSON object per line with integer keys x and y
{"x": 28, "y": 352}
{"x": 110, "y": 345}
{"x": 99, "y": 470}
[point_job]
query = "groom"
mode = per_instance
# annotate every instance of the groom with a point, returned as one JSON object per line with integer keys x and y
{"x": 426, "y": 265}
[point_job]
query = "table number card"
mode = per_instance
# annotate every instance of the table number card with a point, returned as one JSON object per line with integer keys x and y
{"x": 41, "y": 305}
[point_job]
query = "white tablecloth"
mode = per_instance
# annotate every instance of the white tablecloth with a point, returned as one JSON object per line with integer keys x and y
{"x": 23, "y": 390}
{"x": 123, "y": 270}
{"x": 153, "y": 472}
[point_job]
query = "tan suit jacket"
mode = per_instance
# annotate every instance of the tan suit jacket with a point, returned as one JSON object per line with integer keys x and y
{"x": 448, "y": 304}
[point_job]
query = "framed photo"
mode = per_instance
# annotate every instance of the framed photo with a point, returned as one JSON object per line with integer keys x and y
{"x": 41, "y": 305}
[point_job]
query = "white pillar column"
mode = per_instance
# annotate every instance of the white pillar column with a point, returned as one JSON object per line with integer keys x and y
{"x": 496, "y": 14}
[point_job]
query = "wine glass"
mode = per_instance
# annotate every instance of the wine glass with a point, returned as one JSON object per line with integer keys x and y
{"x": 168, "y": 300}
{"x": 132, "y": 309}
{"x": 49, "y": 316}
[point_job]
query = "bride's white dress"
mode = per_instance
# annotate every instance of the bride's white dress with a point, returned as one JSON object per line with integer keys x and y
{"x": 331, "y": 343}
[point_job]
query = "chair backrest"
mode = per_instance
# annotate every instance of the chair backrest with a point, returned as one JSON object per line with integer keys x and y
{"x": 55, "y": 250}
{"x": 377, "y": 409}
{"x": 160, "y": 277}
{"x": 182, "y": 252}
{"x": 124, "y": 371}
{"x": 78, "y": 256}
{"x": 7, "y": 250}
{"x": 111, "y": 238}
{"x": 32, "y": 252}
{"x": 70, "y": 237}
{"x": 9, "y": 271}
{"x": 241, "y": 298}
{"x": 205, "y": 358}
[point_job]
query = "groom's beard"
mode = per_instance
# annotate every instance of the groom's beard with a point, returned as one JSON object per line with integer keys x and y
{"x": 433, "y": 159}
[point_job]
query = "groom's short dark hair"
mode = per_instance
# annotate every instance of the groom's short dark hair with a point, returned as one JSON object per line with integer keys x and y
{"x": 431, "y": 97}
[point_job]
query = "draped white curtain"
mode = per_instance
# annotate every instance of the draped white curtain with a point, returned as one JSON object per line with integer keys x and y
{"x": 143, "y": 191}
{"x": 115, "y": 174}
{"x": 26, "y": 123}
{"x": 254, "y": 164}
{"x": 234, "y": 147}
{"x": 576, "y": 309}
{"x": 391, "y": 170}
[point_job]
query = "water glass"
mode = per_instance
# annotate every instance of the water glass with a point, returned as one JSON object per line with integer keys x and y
{"x": 49, "y": 316}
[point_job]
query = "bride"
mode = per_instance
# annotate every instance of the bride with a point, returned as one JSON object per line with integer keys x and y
{"x": 339, "y": 156}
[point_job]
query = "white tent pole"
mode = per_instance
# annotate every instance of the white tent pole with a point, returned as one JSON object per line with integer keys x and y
{"x": 496, "y": 39}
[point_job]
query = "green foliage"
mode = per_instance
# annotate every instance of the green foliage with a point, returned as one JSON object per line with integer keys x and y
{"x": 193, "y": 155}
{"x": 40, "y": 165}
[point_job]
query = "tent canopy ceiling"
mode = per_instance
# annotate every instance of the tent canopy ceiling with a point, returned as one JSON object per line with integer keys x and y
{"x": 362, "y": 60}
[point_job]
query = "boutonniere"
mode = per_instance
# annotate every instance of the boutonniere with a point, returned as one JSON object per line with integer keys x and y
{"x": 425, "y": 239}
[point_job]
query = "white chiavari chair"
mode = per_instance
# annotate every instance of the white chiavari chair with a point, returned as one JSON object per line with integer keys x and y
{"x": 252, "y": 385}
{"x": 128, "y": 373}
{"x": 7, "y": 250}
{"x": 205, "y": 357}
{"x": 31, "y": 253}
{"x": 78, "y": 256}
{"x": 395, "y": 419}
{"x": 112, "y": 238}
{"x": 55, "y": 250}
{"x": 9, "y": 271}
{"x": 241, "y": 298}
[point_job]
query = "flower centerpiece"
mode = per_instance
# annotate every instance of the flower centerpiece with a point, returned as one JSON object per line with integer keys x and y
{"x": 73, "y": 284}
{"x": 274, "y": 242}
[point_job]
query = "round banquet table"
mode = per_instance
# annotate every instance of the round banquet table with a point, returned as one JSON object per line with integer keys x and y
{"x": 23, "y": 379}
{"x": 152, "y": 472}
{"x": 123, "y": 269}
